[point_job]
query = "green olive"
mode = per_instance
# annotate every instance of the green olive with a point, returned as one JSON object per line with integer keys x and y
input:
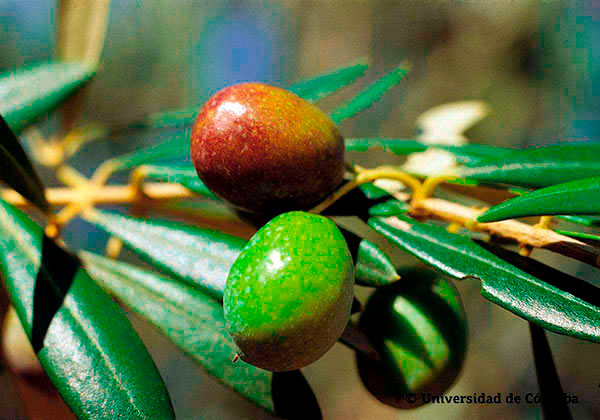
{"x": 289, "y": 294}
{"x": 420, "y": 329}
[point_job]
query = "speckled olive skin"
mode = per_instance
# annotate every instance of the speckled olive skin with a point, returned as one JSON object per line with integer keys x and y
{"x": 289, "y": 293}
{"x": 420, "y": 329}
{"x": 266, "y": 150}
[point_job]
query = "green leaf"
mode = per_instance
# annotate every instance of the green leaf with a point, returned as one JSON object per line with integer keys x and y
{"x": 17, "y": 171}
{"x": 82, "y": 339}
{"x": 581, "y": 220}
{"x": 389, "y": 208}
{"x": 323, "y": 85}
{"x": 176, "y": 147}
{"x": 395, "y": 146}
{"x": 195, "y": 323}
{"x": 539, "y": 167}
{"x": 502, "y": 283}
{"x": 182, "y": 174}
{"x": 369, "y": 95}
{"x": 30, "y": 92}
{"x": 373, "y": 192}
{"x": 575, "y": 197}
{"x": 373, "y": 267}
{"x": 580, "y": 235}
{"x": 201, "y": 257}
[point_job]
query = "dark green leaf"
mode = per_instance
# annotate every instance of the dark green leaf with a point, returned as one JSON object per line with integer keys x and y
{"x": 580, "y": 235}
{"x": 182, "y": 174}
{"x": 373, "y": 267}
{"x": 554, "y": 404}
{"x": 575, "y": 197}
{"x": 581, "y": 220}
{"x": 82, "y": 339}
{"x": 17, "y": 171}
{"x": 369, "y": 95}
{"x": 323, "y": 85}
{"x": 30, "y": 92}
{"x": 389, "y": 208}
{"x": 395, "y": 146}
{"x": 195, "y": 323}
{"x": 373, "y": 192}
{"x": 502, "y": 283}
{"x": 539, "y": 167}
{"x": 201, "y": 257}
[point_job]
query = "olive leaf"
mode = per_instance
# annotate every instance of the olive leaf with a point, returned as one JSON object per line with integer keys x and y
{"x": 579, "y": 235}
{"x": 575, "y": 197}
{"x": 369, "y": 95}
{"x": 581, "y": 220}
{"x": 17, "y": 171}
{"x": 30, "y": 92}
{"x": 323, "y": 85}
{"x": 82, "y": 339}
{"x": 391, "y": 207}
{"x": 195, "y": 322}
{"x": 539, "y": 167}
{"x": 502, "y": 283}
{"x": 183, "y": 174}
{"x": 203, "y": 257}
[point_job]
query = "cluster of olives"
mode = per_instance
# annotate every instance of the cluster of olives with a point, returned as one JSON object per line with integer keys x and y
{"x": 289, "y": 294}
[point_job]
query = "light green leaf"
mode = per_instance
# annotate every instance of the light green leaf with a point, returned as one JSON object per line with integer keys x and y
{"x": 581, "y": 220}
{"x": 369, "y": 95}
{"x": 195, "y": 323}
{"x": 82, "y": 339}
{"x": 323, "y": 85}
{"x": 17, "y": 171}
{"x": 30, "y": 92}
{"x": 580, "y": 235}
{"x": 539, "y": 167}
{"x": 373, "y": 267}
{"x": 502, "y": 283}
{"x": 182, "y": 174}
{"x": 395, "y": 146}
{"x": 389, "y": 208}
{"x": 575, "y": 197}
{"x": 373, "y": 192}
{"x": 201, "y": 257}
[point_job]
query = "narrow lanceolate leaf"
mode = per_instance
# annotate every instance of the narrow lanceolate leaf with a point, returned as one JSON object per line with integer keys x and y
{"x": 82, "y": 339}
{"x": 28, "y": 93}
{"x": 201, "y": 257}
{"x": 195, "y": 323}
{"x": 369, "y": 95}
{"x": 539, "y": 167}
{"x": 389, "y": 208}
{"x": 182, "y": 174}
{"x": 395, "y": 146}
{"x": 373, "y": 266}
{"x": 323, "y": 85}
{"x": 502, "y": 283}
{"x": 176, "y": 147}
{"x": 17, "y": 171}
{"x": 575, "y": 197}
{"x": 581, "y": 220}
{"x": 373, "y": 192}
{"x": 579, "y": 235}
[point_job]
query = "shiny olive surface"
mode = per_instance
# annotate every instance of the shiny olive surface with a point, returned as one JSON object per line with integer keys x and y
{"x": 289, "y": 293}
{"x": 419, "y": 326}
{"x": 266, "y": 150}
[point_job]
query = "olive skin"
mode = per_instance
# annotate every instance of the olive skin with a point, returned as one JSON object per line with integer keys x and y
{"x": 419, "y": 327}
{"x": 289, "y": 294}
{"x": 266, "y": 150}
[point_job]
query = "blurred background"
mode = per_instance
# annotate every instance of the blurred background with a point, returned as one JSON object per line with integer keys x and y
{"x": 535, "y": 63}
